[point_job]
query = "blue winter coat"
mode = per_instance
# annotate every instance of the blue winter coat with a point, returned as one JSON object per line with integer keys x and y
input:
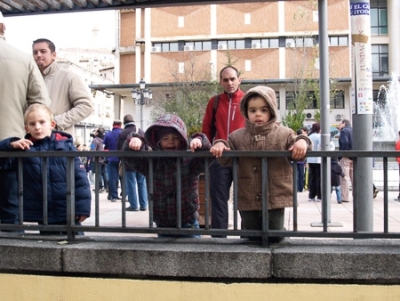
{"x": 56, "y": 179}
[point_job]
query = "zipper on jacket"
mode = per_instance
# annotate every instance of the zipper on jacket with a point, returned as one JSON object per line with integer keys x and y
{"x": 229, "y": 115}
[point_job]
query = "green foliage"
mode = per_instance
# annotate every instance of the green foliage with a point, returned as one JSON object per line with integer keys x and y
{"x": 305, "y": 87}
{"x": 188, "y": 96}
{"x": 189, "y": 102}
{"x": 294, "y": 120}
{"x": 231, "y": 60}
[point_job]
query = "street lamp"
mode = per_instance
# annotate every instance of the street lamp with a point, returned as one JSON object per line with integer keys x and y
{"x": 141, "y": 97}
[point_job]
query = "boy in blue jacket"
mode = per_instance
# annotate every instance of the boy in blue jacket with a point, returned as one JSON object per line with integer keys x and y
{"x": 39, "y": 125}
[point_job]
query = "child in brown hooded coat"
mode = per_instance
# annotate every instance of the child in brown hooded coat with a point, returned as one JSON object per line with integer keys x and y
{"x": 262, "y": 132}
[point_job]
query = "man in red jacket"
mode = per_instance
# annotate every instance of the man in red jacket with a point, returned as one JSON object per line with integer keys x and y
{"x": 227, "y": 119}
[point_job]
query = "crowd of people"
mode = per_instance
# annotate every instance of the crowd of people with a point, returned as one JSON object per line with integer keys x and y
{"x": 48, "y": 101}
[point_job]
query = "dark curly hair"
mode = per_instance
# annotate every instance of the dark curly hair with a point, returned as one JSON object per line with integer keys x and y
{"x": 100, "y": 132}
{"x": 315, "y": 128}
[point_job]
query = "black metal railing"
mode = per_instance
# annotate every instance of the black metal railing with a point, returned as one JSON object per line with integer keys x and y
{"x": 70, "y": 228}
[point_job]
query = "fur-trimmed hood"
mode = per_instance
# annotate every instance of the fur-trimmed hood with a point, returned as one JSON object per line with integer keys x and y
{"x": 267, "y": 94}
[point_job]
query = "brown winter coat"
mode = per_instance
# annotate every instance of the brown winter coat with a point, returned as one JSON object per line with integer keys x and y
{"x": 268, "y": 136}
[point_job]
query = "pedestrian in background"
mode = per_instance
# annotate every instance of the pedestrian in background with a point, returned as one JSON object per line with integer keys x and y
{"x": 336, "y": 174}
{"x": 314, "y": 165}
{"x": 301, "y": 165}
{"x": 97, "y": 145}
{"x": 221, "y": 118}
{"x": 135, "y": 182}
{"x": 110, "y": 144}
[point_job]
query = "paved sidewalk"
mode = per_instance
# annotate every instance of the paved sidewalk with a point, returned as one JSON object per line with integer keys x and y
{"x": 309, "y": 213}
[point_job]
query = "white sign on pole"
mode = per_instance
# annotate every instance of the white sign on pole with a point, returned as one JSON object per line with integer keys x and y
{"x": 360, "y": 36}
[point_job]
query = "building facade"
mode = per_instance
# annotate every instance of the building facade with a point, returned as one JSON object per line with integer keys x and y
{"x": 273, "y": 43}
{"x": 93, "y": 66}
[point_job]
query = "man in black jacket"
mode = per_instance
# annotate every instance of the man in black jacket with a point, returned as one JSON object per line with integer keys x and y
{"x": 132, "y": 177}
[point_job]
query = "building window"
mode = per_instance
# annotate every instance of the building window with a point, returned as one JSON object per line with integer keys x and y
{"x": 290, "y": 100}
{"x": 278, "y": 101}
{"x": 219, "y": 44}
{"x": 173, "y": 46}
{"x": 300, "y": 42}
{"x": 311, "y": 100}
{"x": 165, "y": 47}
{"x": 380, "y": 60}
{"x": 337, "y": 100}
{"x": 338, "y": 41}
{"x": 233, "y": 44}
{"x": 264, "y": 43}
{"x": 378, "y": 17}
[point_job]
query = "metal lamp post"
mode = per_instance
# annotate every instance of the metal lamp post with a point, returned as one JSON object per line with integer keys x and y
{"x": 141, "y": 97}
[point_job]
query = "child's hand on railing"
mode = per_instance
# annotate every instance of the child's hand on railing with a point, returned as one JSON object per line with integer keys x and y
{"x": 135, "y": 143}
{"x": 22, "y": 144}
{"x": 195, "y": 143}
{"x": 218, "y": 149}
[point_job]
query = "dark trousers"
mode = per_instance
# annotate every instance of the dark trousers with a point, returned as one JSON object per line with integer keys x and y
{"x": 300, "y": 177}
{"x": 314, "y": 180}
{"x": 8, "y": 197}
{"x": 113, "y": 177}
{"x": 220, "y": 185}
{"x": 252, "y": 220}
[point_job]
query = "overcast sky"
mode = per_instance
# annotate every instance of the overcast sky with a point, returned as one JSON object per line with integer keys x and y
{"x": 64, "y": 29}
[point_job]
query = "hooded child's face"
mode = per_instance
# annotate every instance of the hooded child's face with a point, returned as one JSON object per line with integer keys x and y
{"x": 170, "y": 142}
{"x": 257, "y": 110}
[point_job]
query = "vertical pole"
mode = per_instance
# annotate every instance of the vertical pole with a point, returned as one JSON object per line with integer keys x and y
{"x": 362, "y": 109}
{"x": 324, "y": 109}
{"x": 141, "y": 109}
{"x": 393, "y": 7}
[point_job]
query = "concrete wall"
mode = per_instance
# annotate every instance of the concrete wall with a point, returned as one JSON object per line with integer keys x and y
{"x": 49, "y": 288}
{"x": 133, "y": 268}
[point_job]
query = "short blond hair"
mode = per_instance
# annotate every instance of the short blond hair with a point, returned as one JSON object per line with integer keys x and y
{"x": 37, "y": 107}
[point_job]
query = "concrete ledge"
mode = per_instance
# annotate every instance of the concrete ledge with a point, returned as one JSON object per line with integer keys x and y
{"x": 224, "y": 259}
{"x": 375, "y": 260}
{"x": 138, "y": 257}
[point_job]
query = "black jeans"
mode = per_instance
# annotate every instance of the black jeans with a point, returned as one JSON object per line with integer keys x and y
{"x": 314, "y": 180}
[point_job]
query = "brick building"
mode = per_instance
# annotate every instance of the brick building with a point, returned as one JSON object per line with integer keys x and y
{"x": 274, "y": 43}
